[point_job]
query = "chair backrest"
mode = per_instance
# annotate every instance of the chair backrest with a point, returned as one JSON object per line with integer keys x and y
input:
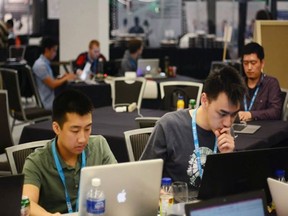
{"x": 17, "y": 52}
{"x": 284, "y": 114}
{"x": 127, "y": 90}
{"x": 11, "y": 84}
{"x": 17, "y": 154}
{"x": 32, "y": 82}
{"x": 144, "y": 122}
{"x": 136, "y": 141}
{"x": 5, "y": 132}
{"x": 170, "y": 91}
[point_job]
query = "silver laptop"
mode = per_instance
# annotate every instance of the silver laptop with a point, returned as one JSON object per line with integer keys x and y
{"x": 244, "y": 127}
{"x": 279, "y": 193}
{"x": 130, "y": 188}
{"x": 147, "y": 67}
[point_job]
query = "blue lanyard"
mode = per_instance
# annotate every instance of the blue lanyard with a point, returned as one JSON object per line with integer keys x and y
{"x": 62, "y": 176}
{"x": 196, "y": 143}
{"x": 253, "y": 98}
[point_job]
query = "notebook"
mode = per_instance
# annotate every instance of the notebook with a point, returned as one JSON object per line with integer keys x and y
{"x": 130, "y": 188}
{"x": 244, "y": 204}
{"x": 279, "y": 192}
{"x": 11, "y": 194}
{"x": 148, "y": 67}
{"x": 244, "y": 127}
{"x": 85, "y": 72}
{"x": 243, "y": 171}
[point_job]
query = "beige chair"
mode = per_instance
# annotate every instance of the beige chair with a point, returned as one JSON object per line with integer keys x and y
{"x": 127, "y": 90}
{"x": 17, "y": 154}
{"x": 144, "y": 122}
{"x": 136, "y": 141}
{"x": 5, "y": 133}
{"x": 17, "y": 111}
{"x": 170, "y": 90}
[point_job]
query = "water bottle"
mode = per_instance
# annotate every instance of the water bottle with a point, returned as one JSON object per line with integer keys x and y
{"x": 180, "y": 102}
{"x": 280, "y": 175}
{"x": 166, "y": 197}
{"x": 166, "y": 65}
{"x": 95, "y": 203}
{"x": 100, "y": 66}
{"x": 192, "y": 103}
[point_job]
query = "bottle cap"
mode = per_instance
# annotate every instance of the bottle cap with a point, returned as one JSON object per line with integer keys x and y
{"x": 96, "y": 182}
{"x": 180, "y": 97}
{"x": 166, "y": 181}
{"x": 280, "y": 173}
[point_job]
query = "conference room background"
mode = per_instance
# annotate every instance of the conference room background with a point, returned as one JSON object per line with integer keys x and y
{"x": 158, "y": 20}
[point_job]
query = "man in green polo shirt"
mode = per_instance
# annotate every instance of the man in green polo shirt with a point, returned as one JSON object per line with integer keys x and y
{"x": 52, "y": 173}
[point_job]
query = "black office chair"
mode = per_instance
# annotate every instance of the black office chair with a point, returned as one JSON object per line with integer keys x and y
{"x": 136, "y": 141}
{"x": 127, "y": 90}
{"x": 170, "y": 90}
{"x": 5, "y": 133}
{"x": 17, "y": 111}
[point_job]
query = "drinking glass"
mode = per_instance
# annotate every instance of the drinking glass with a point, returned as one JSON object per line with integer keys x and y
{"x": 180, "y": 192}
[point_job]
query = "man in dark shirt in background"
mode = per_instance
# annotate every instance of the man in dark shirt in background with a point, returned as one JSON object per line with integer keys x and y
{"x": 263, "y": 101}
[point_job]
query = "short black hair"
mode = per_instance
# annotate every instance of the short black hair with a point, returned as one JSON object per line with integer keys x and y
{"x": 10, "y": 22}
{"x": 47, "y": 43}
{"x": 263, "y": 15}
{"x": 134, "y": 45}
{"x": 227, "y": 80}
{"x": 70, "y": 101}
{"x": 253, "y": 47}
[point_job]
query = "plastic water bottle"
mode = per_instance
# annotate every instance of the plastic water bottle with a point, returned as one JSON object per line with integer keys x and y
{"x": 280, "y": 175}
{"x": 192, "y": 103}
{"x": 95, "y": 203}
{"x": 100, "y": 66}
{"x": 166, "y": 197}
{"x": 180, "y": 102}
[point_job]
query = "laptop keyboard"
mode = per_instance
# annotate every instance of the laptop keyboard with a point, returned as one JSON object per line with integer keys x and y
{"x": 239, "y": 127}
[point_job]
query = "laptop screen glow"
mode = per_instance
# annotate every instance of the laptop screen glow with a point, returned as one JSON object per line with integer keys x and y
{"x": 244, "y": 208}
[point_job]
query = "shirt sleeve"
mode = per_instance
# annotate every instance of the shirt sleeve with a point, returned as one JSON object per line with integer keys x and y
{"x": 274, "y": 102}
{"x": 100, "y": 152}
{"x": 41, "y": 71}
{"x": 32, "y": 173}
{"x": 156, "y": 146}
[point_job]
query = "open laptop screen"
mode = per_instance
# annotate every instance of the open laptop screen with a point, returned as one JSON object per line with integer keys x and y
{"x": 130, "y": 188}
{"x": 245, "y": 204}
{"x": 237, "y": 172}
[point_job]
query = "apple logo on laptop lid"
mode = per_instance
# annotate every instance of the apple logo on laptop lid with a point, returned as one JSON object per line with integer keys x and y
{"x": 121, "y": 197}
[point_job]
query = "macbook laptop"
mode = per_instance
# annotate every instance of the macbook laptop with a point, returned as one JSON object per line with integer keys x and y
{"x": 148, "y": 67}
{"x": 244, "y": 127}
{"x": 279, "y": 192}
{"x": 244, "y": 204}
{"x": 130, "y": 188}
{"x": 238, "y": 172}
{"x": 11, "y": 194}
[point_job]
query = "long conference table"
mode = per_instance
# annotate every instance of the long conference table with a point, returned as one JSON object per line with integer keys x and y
{"x": 112, "y": 125}
{"x": 100, "y": 92}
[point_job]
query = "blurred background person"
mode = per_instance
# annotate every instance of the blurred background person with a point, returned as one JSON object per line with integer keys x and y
{"x": 92, "y": 56}
{"x": 131, "y": 55}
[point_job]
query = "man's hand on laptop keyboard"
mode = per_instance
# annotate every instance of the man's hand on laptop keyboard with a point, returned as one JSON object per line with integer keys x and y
{"x": 245, "y": 116}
